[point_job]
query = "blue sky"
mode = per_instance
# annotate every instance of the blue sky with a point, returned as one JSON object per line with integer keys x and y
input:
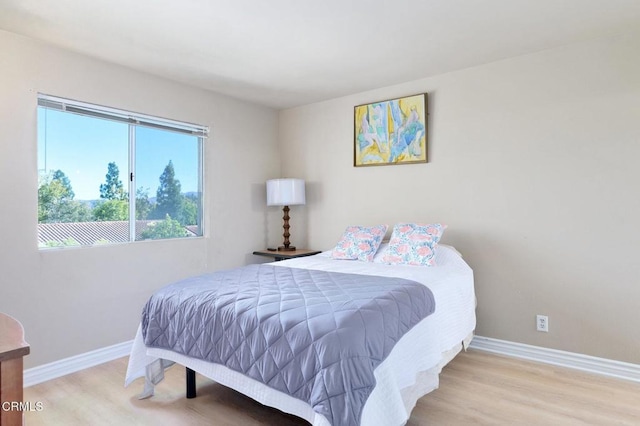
{"x": 82, "y": 147}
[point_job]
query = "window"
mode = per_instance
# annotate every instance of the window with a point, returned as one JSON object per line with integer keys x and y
{"x": 112, "y": 176}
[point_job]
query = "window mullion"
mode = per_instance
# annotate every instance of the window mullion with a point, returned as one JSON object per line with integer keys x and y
{"x": 131, "y": 178}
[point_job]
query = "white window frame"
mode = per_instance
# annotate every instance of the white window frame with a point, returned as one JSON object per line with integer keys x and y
{"x": 135, "y": 120}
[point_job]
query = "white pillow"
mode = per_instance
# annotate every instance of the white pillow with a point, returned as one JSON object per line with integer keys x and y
{"x": 378, "y": 256}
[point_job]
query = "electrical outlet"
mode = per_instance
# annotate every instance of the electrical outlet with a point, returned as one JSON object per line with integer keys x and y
{"x": 542, "y": 323}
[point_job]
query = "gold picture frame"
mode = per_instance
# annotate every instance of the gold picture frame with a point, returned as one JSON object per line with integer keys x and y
{"x": 391, "y": 132}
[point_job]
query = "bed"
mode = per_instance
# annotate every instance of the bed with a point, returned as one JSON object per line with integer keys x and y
{"x": 408, "y": 371}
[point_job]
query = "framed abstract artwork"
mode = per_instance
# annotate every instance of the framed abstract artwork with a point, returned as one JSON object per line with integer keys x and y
{"x": 391, "y": 132}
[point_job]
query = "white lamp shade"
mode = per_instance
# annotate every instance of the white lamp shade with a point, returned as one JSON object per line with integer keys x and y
{"x": 285, "y": 192}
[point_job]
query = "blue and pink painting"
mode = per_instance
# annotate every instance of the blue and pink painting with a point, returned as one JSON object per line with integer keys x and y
{"x": 391, "y": 132}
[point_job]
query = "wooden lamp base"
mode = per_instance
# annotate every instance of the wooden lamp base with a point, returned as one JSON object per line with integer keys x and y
{"x": 286, "y": 245}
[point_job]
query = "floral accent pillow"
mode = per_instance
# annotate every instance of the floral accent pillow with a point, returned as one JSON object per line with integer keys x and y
{"x": 413, "y": 244}
{"x": 359, "y": 242}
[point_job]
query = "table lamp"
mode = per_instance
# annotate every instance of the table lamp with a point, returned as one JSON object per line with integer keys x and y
{"x": 285, "y": 192}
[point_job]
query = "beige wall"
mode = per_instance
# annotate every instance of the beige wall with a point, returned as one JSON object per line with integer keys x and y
{"x": 73, "y": 301}
{"x": 533, "y": 164}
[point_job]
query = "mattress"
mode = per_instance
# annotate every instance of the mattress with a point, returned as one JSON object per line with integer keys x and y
{"x": 410, "y": 370}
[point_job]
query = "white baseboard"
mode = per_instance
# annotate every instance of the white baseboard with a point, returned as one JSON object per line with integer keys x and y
{"x": 65, "y": 366}
{"x": 591, "y": 364}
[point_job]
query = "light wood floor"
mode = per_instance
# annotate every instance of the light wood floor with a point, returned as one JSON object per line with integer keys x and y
{"x": 476, "y": 388}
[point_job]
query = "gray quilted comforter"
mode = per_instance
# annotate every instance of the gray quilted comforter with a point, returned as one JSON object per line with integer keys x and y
{"x": 315, "y": 335}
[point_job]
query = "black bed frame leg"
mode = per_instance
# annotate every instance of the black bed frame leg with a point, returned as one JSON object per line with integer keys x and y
{"x": 191, "y": 383}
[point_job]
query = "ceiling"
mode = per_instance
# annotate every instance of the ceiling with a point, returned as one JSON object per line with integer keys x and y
{"x": 284, "y": 53}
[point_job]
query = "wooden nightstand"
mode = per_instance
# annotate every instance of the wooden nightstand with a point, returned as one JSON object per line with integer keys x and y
{"x": 282, "y": 255}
